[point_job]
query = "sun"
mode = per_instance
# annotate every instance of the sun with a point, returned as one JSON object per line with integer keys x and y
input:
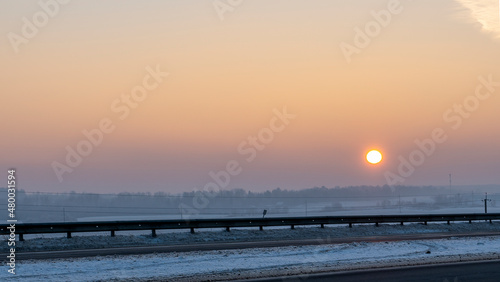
{"x": 374, "y": 157}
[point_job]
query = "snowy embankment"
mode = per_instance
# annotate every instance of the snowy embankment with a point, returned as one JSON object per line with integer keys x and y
{"x": 258, "y": 262}
{"x": 51, "y": 242}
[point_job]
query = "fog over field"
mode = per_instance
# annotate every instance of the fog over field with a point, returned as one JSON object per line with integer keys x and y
{"x": 356, "y": 200}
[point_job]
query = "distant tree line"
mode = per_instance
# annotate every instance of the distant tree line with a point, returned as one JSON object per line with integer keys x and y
{"x": 45, "y": 207}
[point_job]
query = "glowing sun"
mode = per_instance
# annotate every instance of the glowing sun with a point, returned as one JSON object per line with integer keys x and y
{"x": 374, "y": 157}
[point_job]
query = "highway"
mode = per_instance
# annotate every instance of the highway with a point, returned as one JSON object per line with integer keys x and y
{"x": 235, "y": 245}
{"x": 484, "y": 271}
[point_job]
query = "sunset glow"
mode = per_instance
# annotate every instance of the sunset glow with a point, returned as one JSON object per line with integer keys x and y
{"x": 156, "y": 95}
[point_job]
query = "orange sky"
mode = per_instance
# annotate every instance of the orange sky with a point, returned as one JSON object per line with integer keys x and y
{"x": 225, "y": 79}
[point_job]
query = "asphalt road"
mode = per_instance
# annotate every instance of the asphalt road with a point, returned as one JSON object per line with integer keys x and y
{"x": 235, "y": 245}
{"x": 484, "y": 271}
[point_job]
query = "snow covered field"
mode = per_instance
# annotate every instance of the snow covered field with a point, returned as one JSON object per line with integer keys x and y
{"x": 47, "y": 242}
{"x": 233, "y": 264}
{"x": 230, "y": 264}
{"x": 350, "y": 208}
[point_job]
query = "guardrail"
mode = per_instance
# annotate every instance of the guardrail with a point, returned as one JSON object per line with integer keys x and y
{"x": 227, "y": 223}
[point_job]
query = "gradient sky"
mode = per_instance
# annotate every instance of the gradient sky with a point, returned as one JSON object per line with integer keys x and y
{"x": 226, "y": 76}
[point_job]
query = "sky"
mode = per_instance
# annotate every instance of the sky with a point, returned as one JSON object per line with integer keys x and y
{"x": 176, "y": 96}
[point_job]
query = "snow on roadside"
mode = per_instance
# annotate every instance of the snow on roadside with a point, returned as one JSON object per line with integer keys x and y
{"x": 165, "y": 237}
{"x": 227, "y": 264}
